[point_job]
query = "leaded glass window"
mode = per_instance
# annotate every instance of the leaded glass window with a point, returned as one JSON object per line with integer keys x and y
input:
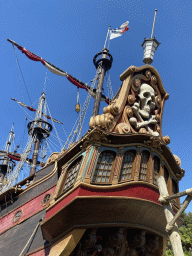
{"x": 103, "y": 168}
{"x": 127, "y": 165}
{"x": 72, "y": 173}
{"x": 156, "y": 169}
{"x": 143, "y": 168}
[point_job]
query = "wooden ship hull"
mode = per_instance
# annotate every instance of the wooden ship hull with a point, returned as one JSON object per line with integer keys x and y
{"x": 98, "y": 197}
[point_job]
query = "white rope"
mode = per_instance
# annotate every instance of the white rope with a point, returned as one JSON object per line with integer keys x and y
{"x": 35, "y": 230}
{"x": 109, "y": 87}
{"x": 11, "y": 179}
{"x": 54, "y": 127}
{"x": 85, "y": 107}
{"x": 82, "y": 114}
{"x": 46, "y": 140}
{"x": 64, "y": 131}
{"x": 77, "y": 128}
{"x": 51, "y": 143}
{"x": 54, "y": 143}
{"x": 56, "y": 137}
{"x": 71, "y": 133}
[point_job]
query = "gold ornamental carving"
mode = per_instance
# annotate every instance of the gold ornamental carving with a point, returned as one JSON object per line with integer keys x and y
{"x": 178, "y": 160}
{"x": 154, "y": 143}
{"x": 52, "y": 158}
{"x": 95, "y": 137}
{"x": 138, "y": 105}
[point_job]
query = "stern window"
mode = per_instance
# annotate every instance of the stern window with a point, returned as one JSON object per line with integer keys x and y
{"x": 104, "y": 165}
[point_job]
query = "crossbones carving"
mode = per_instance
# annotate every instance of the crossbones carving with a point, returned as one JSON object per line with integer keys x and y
{"x": 142, "y": 109}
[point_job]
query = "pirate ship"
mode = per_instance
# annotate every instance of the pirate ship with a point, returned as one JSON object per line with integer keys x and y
{"x": 100, "y": 195}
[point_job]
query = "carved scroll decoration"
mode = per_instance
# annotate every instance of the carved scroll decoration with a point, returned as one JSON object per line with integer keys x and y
{"x": 138, "y": 107}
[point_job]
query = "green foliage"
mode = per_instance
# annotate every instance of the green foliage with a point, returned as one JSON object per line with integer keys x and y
{"x": 185, "y": 232}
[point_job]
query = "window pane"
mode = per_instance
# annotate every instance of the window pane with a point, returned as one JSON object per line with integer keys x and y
{"x": 143, "y": 167}
{"x": 104, "y": 165}
{"x": 127, "y": 165}
{"x": 72, "y": 173}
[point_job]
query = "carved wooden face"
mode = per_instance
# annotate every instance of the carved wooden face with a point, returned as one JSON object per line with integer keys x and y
{"x": 147, "y": 100}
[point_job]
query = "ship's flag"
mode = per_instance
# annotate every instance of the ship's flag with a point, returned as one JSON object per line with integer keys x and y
{"x": 118, "y": 31}
{"x": 59, "y": 72}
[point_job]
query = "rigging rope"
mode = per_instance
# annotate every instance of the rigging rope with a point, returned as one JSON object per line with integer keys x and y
{"x": 12, "y": 178}
{"x": 18, "y": 66}
{"x": 76, "y": 133}
{"x": 52, "y": 144}
{"x": 31, "y": 237}
{"x": 18, "y": 146}
{"x": 64, "y": 131}
{"x": 54, "y": 127}
{"x": 85, "y": 107}
{"x": 109, "y": 87}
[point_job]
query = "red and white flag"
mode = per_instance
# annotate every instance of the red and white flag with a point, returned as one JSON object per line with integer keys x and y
{"x": 118, "y": 31}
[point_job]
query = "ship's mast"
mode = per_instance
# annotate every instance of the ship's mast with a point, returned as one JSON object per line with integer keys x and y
{"x": 6, "y": 163}
{"x": 102, "y": 61}
{"x": 8, "y": 143}
{"x": 39, "y": 129}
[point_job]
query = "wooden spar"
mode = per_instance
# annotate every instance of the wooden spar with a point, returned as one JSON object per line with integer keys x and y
{"x": 174, "y": 236}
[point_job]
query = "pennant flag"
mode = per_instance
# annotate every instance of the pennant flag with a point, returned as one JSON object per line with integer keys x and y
{"x": 32, "y": 109}
{"x": 119, "y": 31}
{"x": 56, "y": 71}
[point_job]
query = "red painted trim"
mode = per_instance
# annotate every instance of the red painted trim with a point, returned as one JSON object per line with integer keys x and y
{"x": 28, "y": 210}
{"x": 136, "y": 191}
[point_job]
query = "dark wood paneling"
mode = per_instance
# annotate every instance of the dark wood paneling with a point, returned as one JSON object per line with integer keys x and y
{"x": 31, "y": 193}
{"x": 14, "y": 240}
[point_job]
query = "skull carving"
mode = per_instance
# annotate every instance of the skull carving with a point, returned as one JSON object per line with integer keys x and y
{"x": 147, "y": 100}
{"x": 142, "y": 109}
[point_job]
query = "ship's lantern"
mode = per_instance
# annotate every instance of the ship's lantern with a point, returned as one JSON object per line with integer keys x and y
{"x": 149, "y": 48}
{"x": 77, "y": 107}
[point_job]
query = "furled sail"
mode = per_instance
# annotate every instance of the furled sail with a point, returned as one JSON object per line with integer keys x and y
{"x": 59, "y": 71}
{"x": 32, "y": 109}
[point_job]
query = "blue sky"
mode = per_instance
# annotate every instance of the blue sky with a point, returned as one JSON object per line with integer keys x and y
{"x": 69, "y": 33}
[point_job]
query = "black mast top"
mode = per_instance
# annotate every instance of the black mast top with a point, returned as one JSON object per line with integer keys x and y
{"x": 103, "y": 62}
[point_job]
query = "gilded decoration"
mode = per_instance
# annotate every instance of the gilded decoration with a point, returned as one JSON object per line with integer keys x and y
{"x": 95, "y": 137}
{"x": 178, "y": 160}
{"x": 138, "y": 105}
{"x": 52, "y": 158}
{"x": 154, "y": 143}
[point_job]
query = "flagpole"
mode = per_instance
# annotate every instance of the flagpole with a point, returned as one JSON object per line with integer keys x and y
{"x": 153, "y": 23}
{"x": 107, "y": 36}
